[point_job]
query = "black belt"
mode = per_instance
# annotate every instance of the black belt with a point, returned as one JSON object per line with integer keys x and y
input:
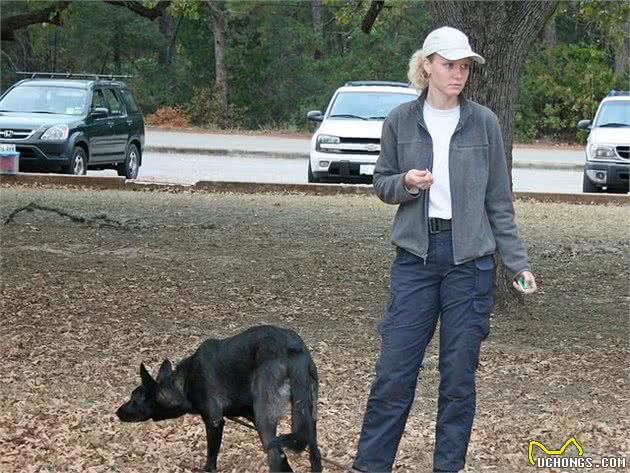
{"x": 437, "y": 225}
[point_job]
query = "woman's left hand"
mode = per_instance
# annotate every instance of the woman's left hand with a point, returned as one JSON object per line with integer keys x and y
{"x": 530, "y": 283}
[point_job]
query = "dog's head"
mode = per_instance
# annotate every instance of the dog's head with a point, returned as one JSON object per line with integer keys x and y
{"x": 155, "y": 399}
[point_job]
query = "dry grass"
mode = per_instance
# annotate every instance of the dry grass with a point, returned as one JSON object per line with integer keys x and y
{"x": 82, "y": 305}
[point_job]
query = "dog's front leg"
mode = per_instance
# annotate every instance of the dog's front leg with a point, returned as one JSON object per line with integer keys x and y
{"x": 214, "y": 434}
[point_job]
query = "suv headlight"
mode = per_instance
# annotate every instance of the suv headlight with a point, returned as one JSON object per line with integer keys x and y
{"x": 597, "y": 151}
{"x": 56, "y": 133}
{"x": 327, "y": 140}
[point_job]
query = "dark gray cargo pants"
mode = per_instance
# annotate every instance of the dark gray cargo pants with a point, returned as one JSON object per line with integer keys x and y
{"x": 462, "y": 296}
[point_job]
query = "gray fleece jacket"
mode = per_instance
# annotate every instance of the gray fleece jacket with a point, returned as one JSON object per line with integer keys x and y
{"x": 481, "y": 200}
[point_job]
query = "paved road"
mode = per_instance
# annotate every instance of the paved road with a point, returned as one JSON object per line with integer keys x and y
{"x": 194, "y": 157}
{"x": 188, "y": 168}
{"x": 160, "y": 140}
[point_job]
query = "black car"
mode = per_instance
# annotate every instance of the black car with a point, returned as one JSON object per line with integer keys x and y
{"x": 70, "y": 123}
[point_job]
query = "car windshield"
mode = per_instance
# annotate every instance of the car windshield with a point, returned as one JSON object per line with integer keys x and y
{"x": 614, "y": 114}
{"x": 45, "y": 99}
{"x": 366, "y": 105}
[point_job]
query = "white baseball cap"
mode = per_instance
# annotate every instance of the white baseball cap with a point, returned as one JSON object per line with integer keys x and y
{"x": 451, "y": 44}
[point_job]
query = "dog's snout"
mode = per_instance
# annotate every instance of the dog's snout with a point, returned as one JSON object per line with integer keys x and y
{"x": 123, "y": 414}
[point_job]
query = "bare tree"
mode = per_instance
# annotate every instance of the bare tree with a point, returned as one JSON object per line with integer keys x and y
{"x": 622, "y": 51}
{"x": 549, "y": 34}
{"x": 318, "y": 25}
{"x": 218, "y": 25}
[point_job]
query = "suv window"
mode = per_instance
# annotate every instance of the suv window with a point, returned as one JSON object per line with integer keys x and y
{"x": 614, "y": 114}
{"x": 367, "y": 105}
{"x": 129, "y": 102}
{"x": 98, "y": 101}
{"x": 115, "y": 107}
{"x": 36, "y": 98}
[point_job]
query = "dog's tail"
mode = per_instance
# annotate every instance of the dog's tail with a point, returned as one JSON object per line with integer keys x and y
{"x": 304, "y": 384}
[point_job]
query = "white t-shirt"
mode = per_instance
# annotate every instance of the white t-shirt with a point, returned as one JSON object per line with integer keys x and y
{"x": 441, "y": 125}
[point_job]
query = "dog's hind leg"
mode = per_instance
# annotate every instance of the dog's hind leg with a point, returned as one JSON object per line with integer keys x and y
{"x": 268, "y": 386}
{"x": 277, "y": 459}
{"x": 315, "y": 456}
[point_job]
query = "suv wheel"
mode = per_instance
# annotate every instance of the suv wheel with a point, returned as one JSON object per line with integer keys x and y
{"x": 311, "y": 177}
{"x": 78, "y": 163}
{"x": 130, "y": 167}
{"x": 588, "y": 186}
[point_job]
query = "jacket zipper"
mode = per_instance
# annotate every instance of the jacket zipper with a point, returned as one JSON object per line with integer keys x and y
{"x": 425, "y": 209}
{"x": 450, "y": 174}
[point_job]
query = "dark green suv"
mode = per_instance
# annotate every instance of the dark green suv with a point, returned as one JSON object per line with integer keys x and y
{"x": 69, "y": 123}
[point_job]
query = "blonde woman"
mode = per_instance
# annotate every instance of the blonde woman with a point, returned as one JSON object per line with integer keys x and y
{"x": 442, "y": 162}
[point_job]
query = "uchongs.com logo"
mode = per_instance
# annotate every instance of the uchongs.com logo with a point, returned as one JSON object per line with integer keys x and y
{"x": 572, "y": 458}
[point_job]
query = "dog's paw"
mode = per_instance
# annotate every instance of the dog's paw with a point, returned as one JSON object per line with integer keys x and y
{"x": 208, "y": 467}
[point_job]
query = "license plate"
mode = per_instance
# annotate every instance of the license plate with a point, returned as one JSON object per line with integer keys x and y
{"x": 366, "y": 169}
{"x": 7, "y": 147}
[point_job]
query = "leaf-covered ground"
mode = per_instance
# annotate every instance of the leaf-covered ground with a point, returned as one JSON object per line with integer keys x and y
{"x": 84, "y": 303}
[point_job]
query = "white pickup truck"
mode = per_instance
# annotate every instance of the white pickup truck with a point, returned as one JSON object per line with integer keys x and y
{"x": 608, "y": 147}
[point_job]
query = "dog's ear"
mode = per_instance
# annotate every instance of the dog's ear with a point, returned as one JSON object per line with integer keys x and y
{"x": 146, "y": 378}
{"x": 166, "y": 371}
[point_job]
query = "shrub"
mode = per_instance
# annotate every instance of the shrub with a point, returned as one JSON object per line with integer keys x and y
{"x": 205, "y": 109}
{"x": 168, "y": 117}
{"x": 561, "y": 86}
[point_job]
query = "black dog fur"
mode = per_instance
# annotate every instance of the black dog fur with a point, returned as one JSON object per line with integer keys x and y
{"x": 253, "y": 375}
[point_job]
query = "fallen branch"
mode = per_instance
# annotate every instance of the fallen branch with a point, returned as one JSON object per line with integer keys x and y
{"x": 100, "y": 220}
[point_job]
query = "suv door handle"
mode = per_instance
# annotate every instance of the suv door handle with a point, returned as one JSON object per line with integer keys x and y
{"x": 129, "y": 122}
{"x": 110, "y": 123}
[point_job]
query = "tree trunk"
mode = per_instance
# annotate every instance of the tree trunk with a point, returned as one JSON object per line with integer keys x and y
{"x": 318, "y": 27}
{"x": 622, "y": 52}
{"x": 549, "y": 36}
{"x": 218, "y": 21}
{"x": 50, "y": 14}
{"x": 371, "y": 15}
{"x": 166, "y": 25}
{"x": 502, "y": 32}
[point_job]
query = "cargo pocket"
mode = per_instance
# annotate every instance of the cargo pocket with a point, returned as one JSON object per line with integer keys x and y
{"x": 483, "y": 297}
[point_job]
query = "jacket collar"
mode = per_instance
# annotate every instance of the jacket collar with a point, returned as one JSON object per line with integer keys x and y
{"x": 464, "y": 111}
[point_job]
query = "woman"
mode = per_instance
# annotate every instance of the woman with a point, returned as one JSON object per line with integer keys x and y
{"x": 442, "y": 161}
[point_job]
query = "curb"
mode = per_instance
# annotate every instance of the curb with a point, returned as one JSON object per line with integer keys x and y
{"x": 240, "y": 153}
{"x": 119, "y": 183}
{"x": 40, "y": 179}
{"x": 226, "y": 152}
{"x": 550, "y": 166}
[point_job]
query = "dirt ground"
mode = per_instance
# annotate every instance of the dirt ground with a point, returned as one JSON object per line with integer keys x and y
{"x": 150, "y": 275}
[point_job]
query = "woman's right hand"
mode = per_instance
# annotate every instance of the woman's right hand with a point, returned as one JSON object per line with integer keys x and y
{"x": 415, "y": 179}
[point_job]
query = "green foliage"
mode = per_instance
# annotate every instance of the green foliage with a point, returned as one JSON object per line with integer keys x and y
{"x": 279, "y": 67}
{"x": 561, "y": 86}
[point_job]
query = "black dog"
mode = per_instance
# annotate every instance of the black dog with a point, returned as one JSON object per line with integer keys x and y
{"x": 253, "y": 375}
